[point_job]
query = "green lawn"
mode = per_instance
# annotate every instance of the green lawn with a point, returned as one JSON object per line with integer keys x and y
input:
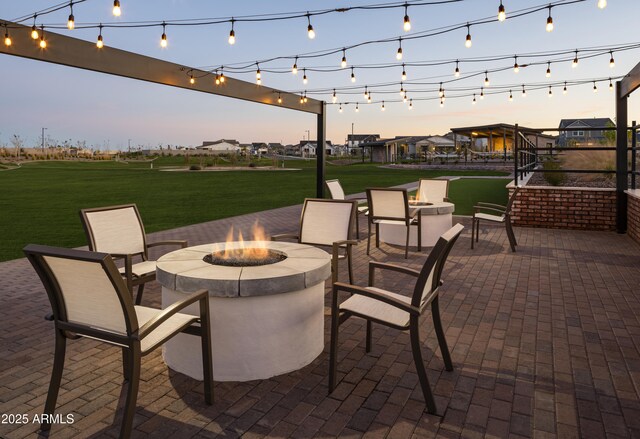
{"x": 40, "y": 201}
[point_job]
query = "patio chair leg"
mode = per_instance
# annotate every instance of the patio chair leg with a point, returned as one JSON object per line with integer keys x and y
{"x": 333, "y": 348}
{"x": 419, "y": 234}
{"x": 367, "y": 347}
{"x": 406, "y": 247}
{"x": 132, "y": 391}
{"x": 420, "y": 369}
{"x": 442, "y": 341}
{"x": 349, "y": 265}
{"x": 477, "y": 230}
{"x": 473, "y": 231}
{"x": 357, "y": 227}
{"x": 510, "y": 235}
{"x": 139, "y": 295}
{"x": 56, "y": 378}
{"x": 368, "y": 237}
{"x": 207, "y": 362}
{"x": 377, "y": 235}
{"x": 126, "y": 372}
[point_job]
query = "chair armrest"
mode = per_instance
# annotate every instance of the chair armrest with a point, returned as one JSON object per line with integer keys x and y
{"x": 495, "y": 206}
{"x": 182, "y": 243}
{"x": 173, "y": 309}
{"x": 353, "y": 289}
{"x": 285, "y": 236}
{"x": 446, "y": 200}
{"x": 477, "y": 209}
{"x": 382, "y": 265}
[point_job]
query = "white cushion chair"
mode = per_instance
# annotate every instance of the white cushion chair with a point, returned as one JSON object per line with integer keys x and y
{"x": 337, "y": 193}
{"x": 494, "y": 213}
{"x": 395, "y": 310}
{"x": 118, "y": 230}
{"x": 90, "y": 299}
{"x": 433, "y": 190}
{"x": 327, "y": 223}
{"x": 391, "y": 206}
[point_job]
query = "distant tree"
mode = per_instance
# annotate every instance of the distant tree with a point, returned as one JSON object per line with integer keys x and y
{"x": 610, "y": 136}
{"x": 17, "y": 143}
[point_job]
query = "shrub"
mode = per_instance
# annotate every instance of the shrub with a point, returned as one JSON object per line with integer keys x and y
{"x": 252, "y": 165}
{"x": 195, "y": 168}
{"x": 553, "y": 178}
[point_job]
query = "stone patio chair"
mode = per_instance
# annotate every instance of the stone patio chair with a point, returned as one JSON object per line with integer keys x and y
{"x": 391, "y": 206}
{"x": 498, "y": 214}
{"x": 337, "y": 193}
{"x": 327, "y": 223}
{"x": 433, "y": 190}
{"x": 397, "y": 311}
{"x": 89, "y": 298}
{"x": 118, "y": 230}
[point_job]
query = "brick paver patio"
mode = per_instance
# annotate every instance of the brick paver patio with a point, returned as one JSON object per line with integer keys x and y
{"x": 545, "y": 343}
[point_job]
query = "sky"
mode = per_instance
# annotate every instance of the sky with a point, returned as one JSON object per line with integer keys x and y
{"x": 110, "y": 112}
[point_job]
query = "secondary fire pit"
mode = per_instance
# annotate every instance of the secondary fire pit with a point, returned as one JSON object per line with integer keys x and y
{"x": 266, "y": 320}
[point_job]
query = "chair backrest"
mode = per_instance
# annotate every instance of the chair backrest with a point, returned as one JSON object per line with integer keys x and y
{"x": 432, "y": 190}
{"x": 512, "y": 198}
{"x": 114, "y": 229}
{"x": 324, "y": 222}
{"x": 85, "y": 289}
{"x": 335, "y": 189}
{"x": 429, "y": 278}
{"x": 388, "y": 203}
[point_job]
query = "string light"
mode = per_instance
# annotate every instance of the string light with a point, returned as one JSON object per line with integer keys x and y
{"x": 481, "y": 93}
{"x": 404, "y": 73}
{"x": 510, "y": 96}
{"x": 524, "y": 92}
{"x": 467, "y": 42}
{"x": 357, "y": 107}
{"x": 610, "y": 85}
{"x": 365, "y": 92}
{"x": 334, "y": 98}
{"x": 473, "y": 102}
{"x": 382, "y": 108}
{"x": 516, "y": 67}
{"x": 595, "y": 88}
{"x": 7, "y": 38}
{"x": 407, "y": 22}
{"x": 163, "y": 39}
{"x": 404, "y": 98}
{"x": 440, "y": 90}
{"x": 369, "y": 98}
{"x": 232, "y": 33}
{"x": 501, "y": 13}
{"x": 71, "y": 23}
{"x": 441, "y": 102}
{"x": 116, "y": 8}
{"x": 279, "y": 98}
{"x": 410, "y": 104}
{"x": 310, "y": 32}
{"x": 399, "y": 53}
{"x": 304, "y": 77}
{"x": 100, "y": 43}
{"x": 301, "y": 100}
{"x": 43, "y": 42}
{"x": 549, "y": 26}
{"x": 217, "y": 78}
{"x": 550, "y": 92}
{"x": 612, "y": 62}
{"x": 294, "y": 69}
{"x": 564, "y": 90}
{"x": 602, "y": 4}
{"x": 340, "y": 109}
{"x": 192, "y": 80}
{"x": 574, "y": 63}
{"x": 548, "y": 69}
{"x": 353, "y": 75}
{"x": 304, "y": 98}
{"x": 443, "y": 97}
{"x": 34, "y": 29}
{"x": 486, "y": 78}
{"x": 402, "y": 92}
{"x": 222, "y": 78}
{"x": 343, "y": 63}
{"x": 258, "y": 74}
{"x": 456, "y": 73}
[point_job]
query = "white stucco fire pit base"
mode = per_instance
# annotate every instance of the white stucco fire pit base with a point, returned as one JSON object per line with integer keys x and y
{"x": 265, "y": 320}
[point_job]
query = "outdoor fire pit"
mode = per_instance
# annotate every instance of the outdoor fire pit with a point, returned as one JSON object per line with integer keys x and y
{"x": 267, "y": 315}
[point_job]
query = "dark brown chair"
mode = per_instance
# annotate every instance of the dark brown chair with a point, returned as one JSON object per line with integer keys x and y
{"x": 499, "y": 214}
{"x": 337, "y": 193}
{"x": 90, "y": 299}
{"x": 396, "y": 310}
{"x": 391, "y": 206}
{"x": 327, "y": 223}
{"x": 118, "y": 230}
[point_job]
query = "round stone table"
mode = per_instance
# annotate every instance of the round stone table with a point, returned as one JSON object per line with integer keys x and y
{"x": 265, "y": 320}
{"x": 437, "y": 218}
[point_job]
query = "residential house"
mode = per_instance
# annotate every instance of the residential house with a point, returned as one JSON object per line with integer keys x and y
{"x": 222, "y": 146}
{"x": 436, "y": 145}
{"x": 580, "y": 132}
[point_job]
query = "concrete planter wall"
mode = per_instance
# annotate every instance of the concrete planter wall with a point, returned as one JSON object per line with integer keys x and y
{"x": 633, "y": 214}
{"x": 565, "y": 208}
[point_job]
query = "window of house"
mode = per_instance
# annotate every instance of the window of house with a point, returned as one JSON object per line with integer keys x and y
{"x": 577, "y": 133}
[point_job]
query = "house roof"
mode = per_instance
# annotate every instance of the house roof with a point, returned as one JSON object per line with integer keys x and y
{"x": 596, "y": 122}
{"x": 362, "y": 137}
{"x": 215, "y": 142}
{"x": 497, "y": 129}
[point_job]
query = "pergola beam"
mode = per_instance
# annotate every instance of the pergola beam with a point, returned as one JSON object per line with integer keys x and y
{"x": 630, "y": 82}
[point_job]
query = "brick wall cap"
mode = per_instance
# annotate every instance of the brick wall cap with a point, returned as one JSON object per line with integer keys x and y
{"x": 635, "y": 193}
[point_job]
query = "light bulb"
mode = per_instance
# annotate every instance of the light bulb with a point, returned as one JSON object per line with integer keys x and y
{"x": 402, "y": 92}
{"x": 410, "y": 104}
{"x": 353, "y": 75}
{"x": 501, "y": 13}
{"x": 440, "y": 91}
{"x": 34, "y": 32}
{"x": 334, "y": 98}
{"x": 486, "y": 79}
{"x": 232, "y": 37}
{"x": 550, "y": 92}
{"x": 602, "y": 4}
{"x": 301, "y": 100}
{"x": 516, "y": 67}
{"x": 43, "y": 42}
{"x": 192, "y": 80}
{"x": 399, "y": 52}
{"x": 610, "y": 85}
{"x": 404, "y": 75}
{"x": 222, "y": 78}
{"x": 304, "y": 78}
{"x": 357, "y": 108}
{"x": 340, "y": 110}
{"x": 404, "y": 98}
{"x": 473, "y": 102}
{"x": 279, "y": 98}
{"x": 510, "y": 96}
{"x": 258, "y": 74}
{"x": 382, "y": 108}
{"x": 100, "y": 43}
{"x": 456, "y": 72}
{"x": 564, "y": 90}
{"x": 481, "y": 93}
{"x": 467, "y": 42}
{"x": 310, "y": 32}
{"x": 441, "y": 103}
{"x": 71, "y": 23}
{"x": 294, "y": 69}
{"x": 304, "y": 98}
{"x": 548, "y": 74}
{"x": 7, "y": 39}
{"x": 524, "y": 92}
{"x": 217, "y": 79}
{"x": 407, "y": 24}
{"x": 365, "y": 92}
{"x": 549, "y": 26}
{"x": 612, "y": 62}
{"x": 369, "y": 98}
{"x": 595, "y": 88}
{"x": 116, "y": 8}
{"x": 163, "y": 39}
{"x": 343, "y": 63}
{"x": 574, "y": 63}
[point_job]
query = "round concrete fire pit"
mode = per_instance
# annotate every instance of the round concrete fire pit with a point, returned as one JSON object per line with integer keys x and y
{"x": 265, "y": 320}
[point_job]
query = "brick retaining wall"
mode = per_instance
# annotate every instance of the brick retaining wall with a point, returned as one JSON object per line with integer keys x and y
{"x": 633, "y": 214}
{"x": 565, "y": 208}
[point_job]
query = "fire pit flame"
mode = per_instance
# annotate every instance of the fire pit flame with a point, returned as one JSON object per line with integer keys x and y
{"x": 241, "y": 253}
